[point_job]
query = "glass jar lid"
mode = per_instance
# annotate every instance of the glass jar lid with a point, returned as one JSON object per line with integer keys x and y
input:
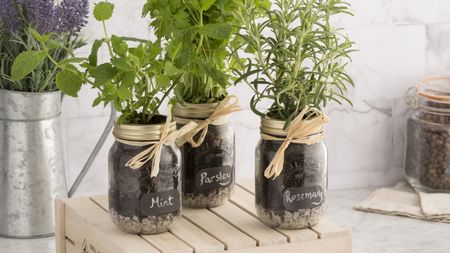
{"x": 435, "y": 88}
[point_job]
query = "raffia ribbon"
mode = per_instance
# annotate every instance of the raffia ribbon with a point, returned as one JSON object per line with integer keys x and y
{"x": 153, "y": 153}
{"x": 303, "y": 131}
{"x": 227, "y": 106}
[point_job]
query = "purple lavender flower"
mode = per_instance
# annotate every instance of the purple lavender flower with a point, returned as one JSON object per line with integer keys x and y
{"x": 42, "y": 13}
{"x": 8, "y": 15}
{"x": 72, "y": 16}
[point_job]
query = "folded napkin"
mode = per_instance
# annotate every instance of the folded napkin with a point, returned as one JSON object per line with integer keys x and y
{"x": 402, "y": 200}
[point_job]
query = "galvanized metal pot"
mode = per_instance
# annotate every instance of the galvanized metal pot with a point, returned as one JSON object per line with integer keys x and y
{"x": 31, "y": 162}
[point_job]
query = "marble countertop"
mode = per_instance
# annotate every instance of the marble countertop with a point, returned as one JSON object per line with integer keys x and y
{"x": 371, "y": 232}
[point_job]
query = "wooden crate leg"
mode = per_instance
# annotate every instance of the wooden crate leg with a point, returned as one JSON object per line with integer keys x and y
{"x": 60, "y": 232}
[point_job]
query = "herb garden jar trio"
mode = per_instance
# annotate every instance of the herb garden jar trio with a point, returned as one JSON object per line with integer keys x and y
{"x": 160, "y": 162}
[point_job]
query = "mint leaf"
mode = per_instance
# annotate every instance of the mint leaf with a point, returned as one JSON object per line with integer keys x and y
{"x": 216, "y": 31}
{"x": 103, "y": 11}
{"x": 103, "y": 73}
{"x": 170, "y": 69}
{"x": 124, "y": 93}
{"x": 163, "y": 81}
{"x": 207, "y": 4}
{"x": 119, "y": 46}
{"x": 121, "y": 64}
{"x": 25, "y": 63}
{"x": 69, "y": 81}
{"x": 94, "y": 52}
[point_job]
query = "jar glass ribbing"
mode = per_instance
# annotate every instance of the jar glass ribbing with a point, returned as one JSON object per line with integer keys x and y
{"x": 298, "y": 197}
{"x": 427, "y": 163}
{"x": 140, "y": 204}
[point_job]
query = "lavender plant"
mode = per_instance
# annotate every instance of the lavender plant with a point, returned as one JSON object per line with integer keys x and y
{"x": 24, "y": 26}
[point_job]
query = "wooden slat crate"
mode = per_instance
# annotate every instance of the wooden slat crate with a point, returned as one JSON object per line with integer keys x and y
{"x": 84, "y": 226}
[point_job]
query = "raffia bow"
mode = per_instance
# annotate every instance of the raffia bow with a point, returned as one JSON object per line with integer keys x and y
{"x": 227, "y": 106}
{"x": 154, "y": 151}
{"x": 303, "y": 131}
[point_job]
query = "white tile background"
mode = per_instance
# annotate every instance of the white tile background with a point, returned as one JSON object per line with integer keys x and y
{"x": 399, "y": 41}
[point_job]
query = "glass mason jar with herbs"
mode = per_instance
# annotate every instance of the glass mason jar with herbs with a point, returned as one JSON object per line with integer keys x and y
{"x": 145, "y": 191}
{"x": 203, "y": 60}
{"x": 144, "y": 162}
{"x": 209, "y": 154}
{"x": 299, "y": 70}
{"x": 427, "y": 165}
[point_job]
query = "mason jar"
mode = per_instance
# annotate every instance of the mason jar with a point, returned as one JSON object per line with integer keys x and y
{"x": 297, "y": 198}
{"x": 139, "y": 203}
{"x": 208, "y": 174}
{"x": 427, "y": 163}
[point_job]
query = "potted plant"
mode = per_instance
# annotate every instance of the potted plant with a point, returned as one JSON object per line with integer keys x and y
{"x": 31, "y": 151}
{"x": 199, "y": 41}
{"x": 144, "y": 162}
{"x": 298, "y": 63}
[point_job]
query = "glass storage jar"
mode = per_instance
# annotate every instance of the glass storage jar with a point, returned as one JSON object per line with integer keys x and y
{"x": 297, "y": 198}
{"x": 208, "y": 173}
{"x": 139, "y": 203}
{"x": 427, "y": 163}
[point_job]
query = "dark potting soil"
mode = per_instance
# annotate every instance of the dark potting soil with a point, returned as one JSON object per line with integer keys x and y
{"x": 208, "y": 170}
{"x": 428, "y": 151}
{"x": 296, "y": 198}
{"x": 140, "y": 204}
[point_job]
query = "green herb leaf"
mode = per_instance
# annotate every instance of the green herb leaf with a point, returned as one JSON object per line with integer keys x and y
{"x": 103, "y": 11}
{"x": 26, "y": 63}
{"x": 69, "y": 81}
{"x": 216, "y": 31}
{"x": 119, "y": 46}
{"x": 163, "y": 81}
{"x": 103, "y": 73}
{"x": 124, "y": 92}
{"x": 207, "y": 4}
{"x": 171, "y": 70}
{"x": 94, "y": 52}
{"x": 121, "y": 64}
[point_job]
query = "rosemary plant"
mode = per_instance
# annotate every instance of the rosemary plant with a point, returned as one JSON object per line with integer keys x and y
{"x": 199, "y": 38}
{"x": 18, "y": 19}
{"x": 298, "y": 57}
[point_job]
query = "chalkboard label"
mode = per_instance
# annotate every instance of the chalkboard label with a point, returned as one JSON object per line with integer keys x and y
{"x": 213, "y": 178}
{"x": 160, "y": 203}
{"x": 303, "y": 198}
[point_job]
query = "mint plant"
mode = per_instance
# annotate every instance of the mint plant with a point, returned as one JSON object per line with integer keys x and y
{"x": 298, "y": 58}
{"x": 198, "y": 36}
{"x": 135, "y": 79}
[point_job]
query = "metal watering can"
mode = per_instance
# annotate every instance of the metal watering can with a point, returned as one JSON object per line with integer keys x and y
{"x": 32, "y": 171}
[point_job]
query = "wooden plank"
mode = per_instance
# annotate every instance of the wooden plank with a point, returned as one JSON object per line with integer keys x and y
{"x": 248, "y": 185}
{"x": 168, "y": 243}
{"x": 219, "y": 229}
{"x": 88, "y": 224}
{"x": 196, "y": 238}
{"x": 60, "y": 233}
{"x": 246, "y": 201}
{"x": 248, "y": 224}
{"x": 165, "y": 242}
{"x": 334, "y": 245}
{"x": 327, "y": 229}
